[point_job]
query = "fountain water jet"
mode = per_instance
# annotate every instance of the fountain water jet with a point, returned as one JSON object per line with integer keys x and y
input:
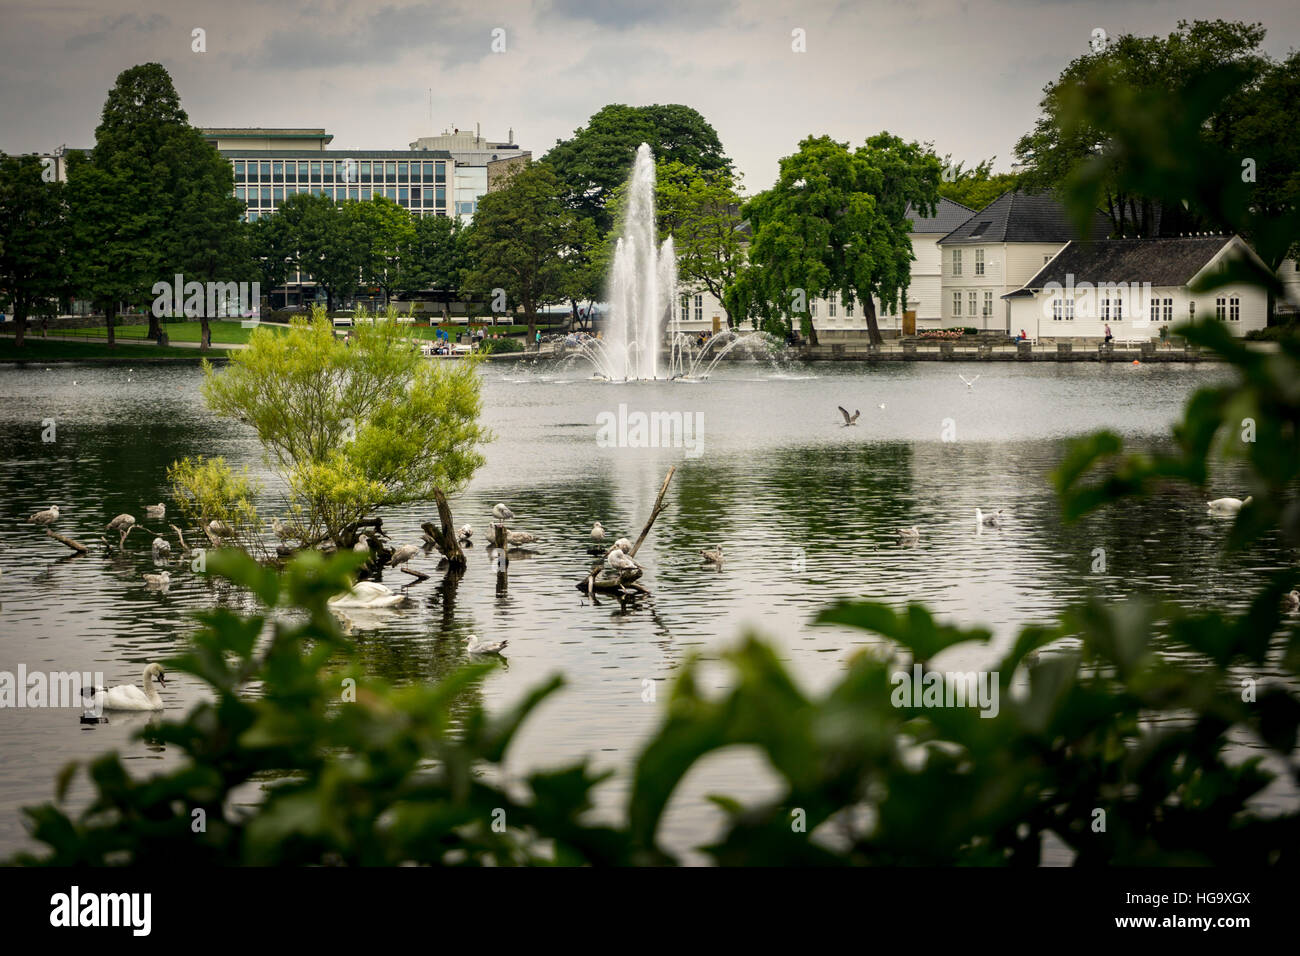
{"x": 642, "y": 292}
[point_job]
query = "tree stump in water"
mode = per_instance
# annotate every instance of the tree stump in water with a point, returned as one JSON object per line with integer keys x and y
{"x": 444, "y": 537}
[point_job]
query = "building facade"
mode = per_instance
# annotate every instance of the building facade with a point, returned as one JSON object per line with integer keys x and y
{"x": 481, "y": 165}
{"x": 1135, "y": 287}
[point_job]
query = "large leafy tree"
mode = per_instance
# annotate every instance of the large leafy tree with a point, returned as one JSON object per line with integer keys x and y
{"x": 700, "y": 208}
{"x": 1266, "y": 137}
{"x": 1146, "y": 68}
{"x": 835, "y": 221}
{"x": 271, "y": 246}
{"x": 596, "y": 159}
{"x": 436, "y": 254}
{"x": 977, "y": 186}
{"x": 322, "y": 231}
{"x": 33, "y": 239}
{"x": 524, "y": 240}
{"x": 152, "y": 199}
{"x": 385, "y": 233}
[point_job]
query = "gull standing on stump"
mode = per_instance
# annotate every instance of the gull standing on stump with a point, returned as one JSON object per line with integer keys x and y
{"x": 48, "y": 516}
{"x": 501, "y": 512}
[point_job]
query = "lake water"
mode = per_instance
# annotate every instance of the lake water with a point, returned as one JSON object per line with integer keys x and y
{"x": 804, "y": 508}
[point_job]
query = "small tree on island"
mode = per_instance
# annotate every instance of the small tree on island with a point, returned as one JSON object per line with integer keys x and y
{"x": 351, "y": 427}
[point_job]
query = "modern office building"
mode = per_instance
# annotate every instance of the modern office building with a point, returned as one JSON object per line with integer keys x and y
{"x": 480, "y": 165}
{"x": 272, "y": 164}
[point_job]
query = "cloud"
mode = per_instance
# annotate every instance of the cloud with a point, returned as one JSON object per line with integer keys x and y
{"x": 127, "y": 23}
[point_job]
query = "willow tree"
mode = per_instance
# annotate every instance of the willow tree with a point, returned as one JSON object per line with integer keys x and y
{"x": 836, "y": 221}
{"x": 352, "y": 427}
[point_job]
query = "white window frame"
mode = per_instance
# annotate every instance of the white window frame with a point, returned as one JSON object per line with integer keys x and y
{"x": 979, "y": 262}
{"x": 956, "y": 262}
{"x": 956, "y": 304}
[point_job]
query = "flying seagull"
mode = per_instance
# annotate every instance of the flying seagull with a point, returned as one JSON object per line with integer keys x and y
{"x": 971, "y": 383}
{"x": 849, "y": 419}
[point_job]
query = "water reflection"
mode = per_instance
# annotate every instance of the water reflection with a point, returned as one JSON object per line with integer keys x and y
{"x": 805, "y": 509}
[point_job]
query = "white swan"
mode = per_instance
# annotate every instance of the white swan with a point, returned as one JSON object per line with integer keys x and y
{"x": 367, "y": 594}
{"x": 1228, "y": 506}
{"x": 988, "y": 521}
{"x": 130, "y": 697}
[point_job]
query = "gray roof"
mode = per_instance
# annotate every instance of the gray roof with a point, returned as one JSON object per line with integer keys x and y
{"x": 336, "y": 154}
{"x": 1022, "y": 217}
{"x": 948, "y": 215}
{"x": 1162, "y": 262}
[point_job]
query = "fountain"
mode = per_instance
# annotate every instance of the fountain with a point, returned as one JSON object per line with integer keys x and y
{"x": 642, "y": 293}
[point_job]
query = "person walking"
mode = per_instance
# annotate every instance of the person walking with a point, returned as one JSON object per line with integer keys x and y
{"x": 1109, "y": 336}
{"x": 538, "y": 339}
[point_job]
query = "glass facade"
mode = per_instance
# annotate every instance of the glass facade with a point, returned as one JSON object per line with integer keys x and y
{"x": 419, "y": 186}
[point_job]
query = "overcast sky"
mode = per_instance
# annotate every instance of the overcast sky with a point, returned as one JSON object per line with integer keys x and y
{"x": 966, "y": 76}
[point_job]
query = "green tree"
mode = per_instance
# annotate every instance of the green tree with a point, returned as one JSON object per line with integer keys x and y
{"x": 1266, "y": 138}
{"x": 1145, "y": 68}
{"x": 835, "y": 221}
{"x": 436, "y": 254}
{"x": 700, "y": 209}
{"x": 351, "y": 427}
{"x": 322, "y": 232}
{"x": 271, "y": 247}
{"x": 385, "y": 233}
{"x": 976, "y": 187}
{"x": 34, "y": 237}
{"x": 523, "y": 241}
{"x": 597, "y": 158}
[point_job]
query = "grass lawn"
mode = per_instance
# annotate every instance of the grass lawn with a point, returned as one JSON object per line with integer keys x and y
{"x": 37, "y": 350}
{"x": 230, "y": 331}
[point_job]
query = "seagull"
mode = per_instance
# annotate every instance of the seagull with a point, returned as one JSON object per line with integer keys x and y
{"x": 219, "y": 529}
{"x": 475, "y": 646}
{"x": 619, "y": 561}
{"x": 1228, "y": 506}
{"x": 465, "y": 533}
{"x": 881, "y": 406}
{"x": 909, "y": 534}
{"x": 161, "y": 549}
{"x": 363, "y": 543}
{"x": 624, "y": 545}
{"x": 282, "y": 531}
{"x": 1291, "y": 602}
{"x": 121, "y": 524}
{"x": 155, "y": 511}
{"x": 159, "y": 580}
{"x": 712, "y": 555}
{"x": 849, "y": 419}
{"x": 48, "y": 516}
{"x": 403, "y": 554}
{"x": 988, "y": 521}
{"x": 516, "y": 538}
{"x": 597, "y": 532}
{"x": 971, "y": 383}
{"x": 501, "y": 512}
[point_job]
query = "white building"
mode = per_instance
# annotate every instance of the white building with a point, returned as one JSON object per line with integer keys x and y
{"x": 996, "y": 251}
{"x": 477, "y": 162}
{"x": 1135, "y": 286}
